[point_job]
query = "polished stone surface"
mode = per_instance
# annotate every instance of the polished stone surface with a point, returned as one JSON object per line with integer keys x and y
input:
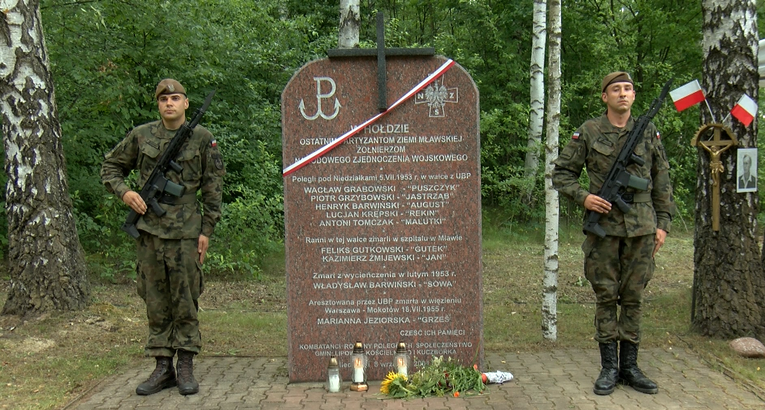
{"x": 383, "y": 233}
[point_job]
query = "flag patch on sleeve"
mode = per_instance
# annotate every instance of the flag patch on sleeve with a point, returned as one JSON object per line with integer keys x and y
{"x": 575, "y": 136}
{"x": 658, "y": 135}
{"x": 213, "y": 143}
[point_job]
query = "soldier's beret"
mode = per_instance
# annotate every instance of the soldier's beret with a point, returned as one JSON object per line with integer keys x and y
{"x": 169, "y": 86}
{"x": 615, "y": 77}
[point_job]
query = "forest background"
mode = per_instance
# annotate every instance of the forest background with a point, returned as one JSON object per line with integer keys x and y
{"x": 107, "y": 57}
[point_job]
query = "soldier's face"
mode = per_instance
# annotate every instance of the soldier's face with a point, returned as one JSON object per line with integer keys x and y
{"x": 619, "y": 97}
{"x": 172, "y": 107}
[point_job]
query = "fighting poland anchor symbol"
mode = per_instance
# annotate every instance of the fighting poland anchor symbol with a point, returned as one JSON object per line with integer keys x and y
{"x": 319, "y": 97}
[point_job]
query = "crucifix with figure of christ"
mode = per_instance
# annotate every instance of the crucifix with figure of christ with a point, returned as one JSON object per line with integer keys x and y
{"x": 381, "y": 53}
{"x": 715, "y": 145}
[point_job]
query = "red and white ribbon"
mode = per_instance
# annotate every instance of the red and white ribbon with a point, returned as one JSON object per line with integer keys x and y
{"x": 339, "y": 140}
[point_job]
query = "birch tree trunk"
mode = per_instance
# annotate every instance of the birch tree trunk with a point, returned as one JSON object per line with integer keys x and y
{"x": 552, "y": 212}
{"x": 539, "y": 34}
{"x": 46, "y": 264}
{"x": 348, "y": 36}
{"x": 729, "y": 290}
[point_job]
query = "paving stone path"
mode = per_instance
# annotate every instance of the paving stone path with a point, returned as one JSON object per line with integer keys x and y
{"x": 558, "y": 379}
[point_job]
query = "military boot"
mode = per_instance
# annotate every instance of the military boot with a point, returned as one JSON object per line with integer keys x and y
{"x": 162, "y": 377}
{"x": 185, "y": 367}
{"x": 609, "y": 372}
{"x": 630, "y": 374}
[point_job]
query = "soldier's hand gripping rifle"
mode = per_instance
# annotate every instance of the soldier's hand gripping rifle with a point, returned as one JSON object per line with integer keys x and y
{"x": 618, "y": 179}
{"x": 158, "y": 184}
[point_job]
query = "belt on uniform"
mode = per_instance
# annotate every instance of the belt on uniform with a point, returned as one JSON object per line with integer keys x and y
{"x": 631, "y": 198}
{"x": 175, "y": 200}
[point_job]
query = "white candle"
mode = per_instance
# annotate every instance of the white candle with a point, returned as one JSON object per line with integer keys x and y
{"x": 358, "y": 375}
{"x": 334, "y": 383}
{"x": 402, "y": 370}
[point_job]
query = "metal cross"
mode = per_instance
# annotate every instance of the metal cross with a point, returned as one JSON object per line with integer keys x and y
{"x": 715, "y": 146}
{"x": 380, "y": 52}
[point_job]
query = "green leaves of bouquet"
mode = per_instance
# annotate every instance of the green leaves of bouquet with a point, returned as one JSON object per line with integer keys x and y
{"x": 437, "y": 378}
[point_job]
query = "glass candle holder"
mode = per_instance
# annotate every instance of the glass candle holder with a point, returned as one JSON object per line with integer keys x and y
{"x": 402, "y": 362}
{"x": 359, "y": 375}
{"x": 333, "y": 376}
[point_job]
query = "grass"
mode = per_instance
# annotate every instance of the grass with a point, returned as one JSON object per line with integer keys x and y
{"x": 48, "y": 361}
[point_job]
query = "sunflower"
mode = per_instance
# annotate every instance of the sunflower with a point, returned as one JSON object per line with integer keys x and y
{"x": 397, "y": 379}
{"x": 385, "y": 386}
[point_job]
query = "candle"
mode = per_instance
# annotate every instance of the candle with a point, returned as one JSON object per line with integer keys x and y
{"x": 358, "y": 371}
{"x": 401, "y": 368}
{"x": 334, "y": 383}
{"x": 358, "y": 375}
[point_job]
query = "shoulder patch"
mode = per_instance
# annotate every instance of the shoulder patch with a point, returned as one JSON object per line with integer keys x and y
{"x": 658, "y": 135}
{"x": 575, "y": 136}
{"x": 213, "y": 143}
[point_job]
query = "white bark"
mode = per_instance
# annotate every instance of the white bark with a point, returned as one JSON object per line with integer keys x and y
{"x": 536, "y": 114}
{"x": 45, "y": 259}
{"x": 348, "y": 36}
{"x": 729, "y": 286}
{"x": 552, "y": 212}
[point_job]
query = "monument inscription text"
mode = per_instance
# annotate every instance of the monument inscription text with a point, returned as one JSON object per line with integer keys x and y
{"x": 383, "y": 231}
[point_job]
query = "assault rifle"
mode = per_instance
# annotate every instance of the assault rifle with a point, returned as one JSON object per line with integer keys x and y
{"x": 157, "y": 184}
{"x": 618, "y": 179}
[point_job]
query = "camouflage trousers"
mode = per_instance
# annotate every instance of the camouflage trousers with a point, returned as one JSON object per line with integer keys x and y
{"x": 169, "y": 280}
{"x": 618, "y": 270}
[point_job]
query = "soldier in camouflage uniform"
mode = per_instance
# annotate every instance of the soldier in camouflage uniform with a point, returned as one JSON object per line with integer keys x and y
{"x": 171, "y": 248}
{"x": 620, "y": 265}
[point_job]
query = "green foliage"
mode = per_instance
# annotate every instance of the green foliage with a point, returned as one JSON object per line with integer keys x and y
{"x": 436, "y": 378}
{"x": 503, "y": 177}
{"x": 252, "y": 228}
{"x": 111, "y": 252}
{"x": 107, "y": 57}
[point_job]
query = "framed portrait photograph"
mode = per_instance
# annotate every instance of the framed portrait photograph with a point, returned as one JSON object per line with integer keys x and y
{"x": 746, "y": 170}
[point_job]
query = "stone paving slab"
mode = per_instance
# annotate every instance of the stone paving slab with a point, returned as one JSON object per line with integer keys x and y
{"x": 558, "y": 379}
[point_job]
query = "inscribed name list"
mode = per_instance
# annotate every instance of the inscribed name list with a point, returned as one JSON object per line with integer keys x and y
{"x": 383, "y": 232}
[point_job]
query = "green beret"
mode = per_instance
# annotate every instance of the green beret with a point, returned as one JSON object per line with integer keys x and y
{"x": 169, "y": 86}
{"x": 615, "y": 77}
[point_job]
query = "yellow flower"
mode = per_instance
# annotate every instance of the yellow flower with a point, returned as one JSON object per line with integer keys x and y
{"x": 390, "y": 378}
{"x": 385, "y": 387}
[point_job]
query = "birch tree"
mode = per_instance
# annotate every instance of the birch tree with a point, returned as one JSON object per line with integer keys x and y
{"x": 729, "y": 291}
{"x": 45, "y": 260}
{"x": 552, "y": 212}
{"x": 536, "y": 114}
{"x": 348, "y": 35}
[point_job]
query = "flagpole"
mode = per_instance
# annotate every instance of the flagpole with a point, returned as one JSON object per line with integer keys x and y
{"x": 710, "y": 111}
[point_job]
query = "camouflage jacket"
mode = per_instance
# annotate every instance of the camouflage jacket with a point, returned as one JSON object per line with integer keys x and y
{"x": 203, "y": 171}
{"x": 596, "y": 145}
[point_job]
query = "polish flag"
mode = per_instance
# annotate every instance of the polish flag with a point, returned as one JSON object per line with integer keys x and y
{"x": 687, "y": 96}
{"x": 745, "y": 110}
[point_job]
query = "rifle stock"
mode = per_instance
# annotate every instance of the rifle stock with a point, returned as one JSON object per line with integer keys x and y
{"x": 618, "y": 179}
{"x": 157, "y": 184}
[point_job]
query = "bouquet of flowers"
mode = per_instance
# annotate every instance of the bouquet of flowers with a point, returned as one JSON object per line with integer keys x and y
{"x": 437, "y": 378}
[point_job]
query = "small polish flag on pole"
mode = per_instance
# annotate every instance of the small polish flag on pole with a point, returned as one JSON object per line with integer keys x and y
{"x": 687, "y": 95}
{"x": 745, "y": 110}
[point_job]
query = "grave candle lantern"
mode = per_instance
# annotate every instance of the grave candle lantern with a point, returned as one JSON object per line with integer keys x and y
{"x": 333, "y": 376}
{"x": 359, "y": 361}
{"x": 401, "y": 360}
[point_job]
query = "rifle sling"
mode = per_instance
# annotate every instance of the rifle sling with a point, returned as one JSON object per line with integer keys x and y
{"x": 637, "y": 197}
{"x": 173, "y": 200}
